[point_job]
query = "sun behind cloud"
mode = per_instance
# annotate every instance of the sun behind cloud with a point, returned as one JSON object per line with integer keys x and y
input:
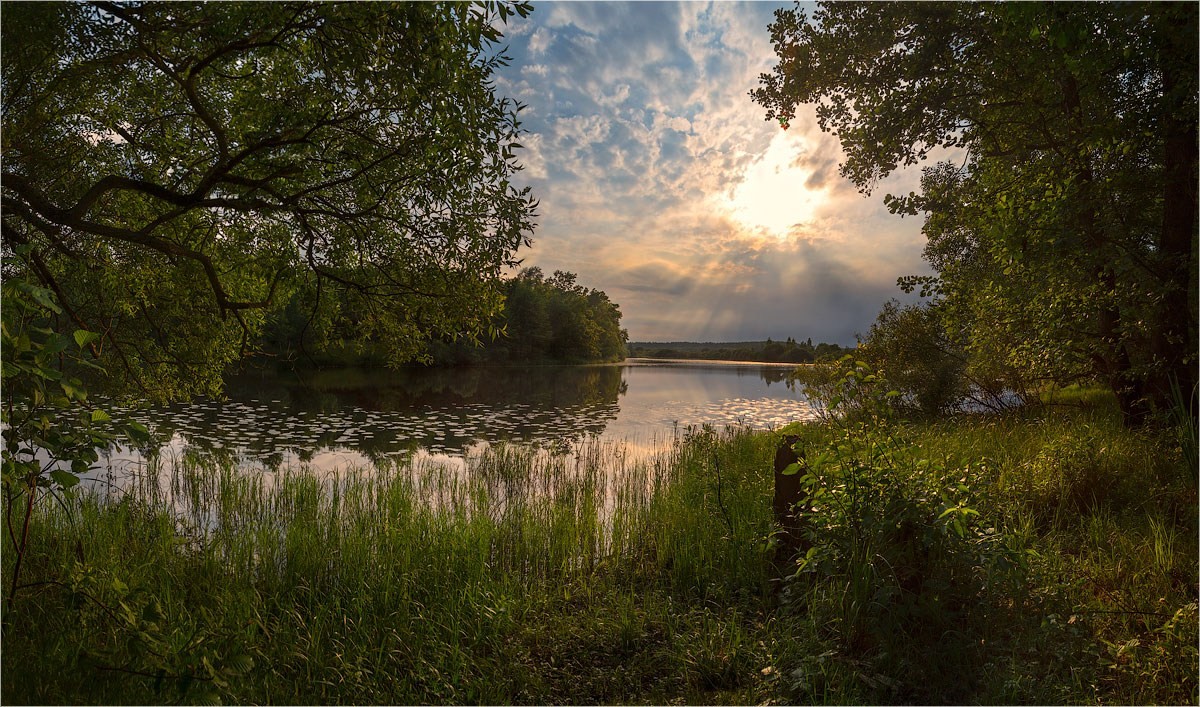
{"x": 661, "y": 183}
{"x": 779, "y": 194}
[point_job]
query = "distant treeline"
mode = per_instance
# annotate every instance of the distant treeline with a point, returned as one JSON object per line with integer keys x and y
{"x": 545, "y": 320}
{"x": 789, "y": 351}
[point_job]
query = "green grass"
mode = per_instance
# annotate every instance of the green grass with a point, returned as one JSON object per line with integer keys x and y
{"x": 527, "y": 578}
{"x": 1108, "y": 518}
{"x": 531, "y": 578}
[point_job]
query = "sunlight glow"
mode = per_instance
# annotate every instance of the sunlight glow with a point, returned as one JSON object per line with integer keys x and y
{"x": 772, "y": 199}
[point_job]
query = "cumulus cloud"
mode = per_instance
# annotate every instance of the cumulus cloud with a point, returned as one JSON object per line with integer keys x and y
{"x": 539, "y": 41}
{"x": 661, "y": 183}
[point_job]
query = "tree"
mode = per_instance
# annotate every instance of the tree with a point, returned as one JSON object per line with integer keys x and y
{"x": 910, "y": 347}
{"x": 1073, "y": 209}
{"x": 527, "y": 320}
{"x": 545, "y": 319}
{"x": 173, "y": 170}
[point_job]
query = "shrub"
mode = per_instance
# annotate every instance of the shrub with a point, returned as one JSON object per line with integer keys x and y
{"x": 898, "y": 561}
{"x": 909, "y": 346}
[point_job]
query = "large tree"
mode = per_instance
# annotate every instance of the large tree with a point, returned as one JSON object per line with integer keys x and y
{"x": 171, "y": 170}
{"x": 1066, "y": 229}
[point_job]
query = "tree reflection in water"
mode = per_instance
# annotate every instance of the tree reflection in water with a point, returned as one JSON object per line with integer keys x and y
{"x": 340, "y": 417}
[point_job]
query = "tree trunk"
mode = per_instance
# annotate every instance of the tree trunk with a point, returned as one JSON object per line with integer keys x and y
{"x": 1112, "y": 360}
{"x": 1116, "y": 365}
{"x": 1173, "y": 337}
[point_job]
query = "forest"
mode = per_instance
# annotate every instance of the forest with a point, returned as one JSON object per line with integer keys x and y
{"x": 543, "y": 320}
{"x": 787, "y": 351}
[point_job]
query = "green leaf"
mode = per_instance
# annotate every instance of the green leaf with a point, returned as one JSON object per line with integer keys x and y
{"x": 43, "y": 296}
{"x": 153, "y": 612}
{"x": 137, "y": 432}
{"x": 790, "y": 469}
{"x": 55, "y": 344}
{"x": 240, "y": 664}
{"x": 83, "y": 337}
{"x": 74, "y": 389}
{"x": 47, "y": 373}
{"x": 63, "y": 478}
{"x": 100, "y": 416}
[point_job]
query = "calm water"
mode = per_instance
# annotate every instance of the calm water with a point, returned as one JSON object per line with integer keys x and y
{"x": 331, "y": 419}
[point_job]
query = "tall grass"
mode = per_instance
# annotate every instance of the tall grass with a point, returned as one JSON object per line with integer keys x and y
{"x": 525, "y": 576}
{"x": 402, "y": 583}
{"x": 1106, "y": 518}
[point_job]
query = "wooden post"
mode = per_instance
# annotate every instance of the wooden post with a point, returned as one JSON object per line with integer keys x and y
{"x": 789, "y": 503}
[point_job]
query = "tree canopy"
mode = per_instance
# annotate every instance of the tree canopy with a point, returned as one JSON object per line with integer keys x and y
{"x": 547, "y": 319}
{"x": 544, "y": 320}
{"x": 1062, "y": 221}
{"x": 174, "y": 170}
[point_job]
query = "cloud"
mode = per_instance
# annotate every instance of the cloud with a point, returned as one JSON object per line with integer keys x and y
{"x": 539, "y": 41}
{"x": 641, "y": 134}
{"x": 659, "y": 277}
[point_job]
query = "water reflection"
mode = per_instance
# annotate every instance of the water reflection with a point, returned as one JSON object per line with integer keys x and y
{"x": 327, "y": 419}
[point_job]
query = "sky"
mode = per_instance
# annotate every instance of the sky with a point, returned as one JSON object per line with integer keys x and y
{"x": 661, "y": 182}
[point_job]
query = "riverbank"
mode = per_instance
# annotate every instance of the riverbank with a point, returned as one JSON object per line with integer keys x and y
{"x": 1047, "y": 557}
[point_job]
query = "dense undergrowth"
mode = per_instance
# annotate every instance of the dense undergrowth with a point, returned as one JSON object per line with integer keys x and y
{"x": 1045, "y": 556}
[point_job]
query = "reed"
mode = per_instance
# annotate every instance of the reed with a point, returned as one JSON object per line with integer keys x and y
{"x": 406, "y": 582}
{"x": 525, "y": 575}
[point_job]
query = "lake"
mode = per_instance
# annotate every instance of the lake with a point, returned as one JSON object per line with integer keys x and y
{"x": 354, "y": 417}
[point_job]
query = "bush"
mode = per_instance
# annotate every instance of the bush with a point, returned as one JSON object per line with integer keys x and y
{"x": 909, "y": 346}
{"x": 898, "y": 564}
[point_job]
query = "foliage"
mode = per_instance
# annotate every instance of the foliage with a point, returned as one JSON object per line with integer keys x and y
{"x": 998, "y": 559}
{"x": 549, "y": 319}
{"x": 896, "y": 553}
{"x": 576, "y": 579}
{"x": 597, "y": 578}
{"x": 45, "y": 415}
{"x": 543, "y": 320}
{"x": 930, "y": 366}
{"x": 51, "y": 431}
{"x": 1061, "y": 219}
{"x": 174, "y": 171}
{"x": 52, "y": 434}
{"x": 909, "y": 347}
